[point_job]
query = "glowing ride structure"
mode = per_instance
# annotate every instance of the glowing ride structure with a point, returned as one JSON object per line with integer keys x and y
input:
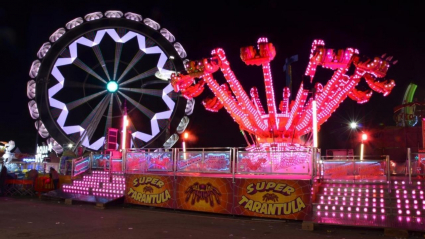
{"x": 89, "y": 67}
{"x": 283, "y": 130}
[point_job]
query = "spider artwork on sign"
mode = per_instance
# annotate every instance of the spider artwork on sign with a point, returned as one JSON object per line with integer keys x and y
{"x": 203, "y": 192}
{"x": 270, "y": 197}
{"x": 147, "y": 189}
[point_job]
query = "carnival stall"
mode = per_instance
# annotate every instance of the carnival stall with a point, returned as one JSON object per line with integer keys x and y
{"x": 227, "y": 181}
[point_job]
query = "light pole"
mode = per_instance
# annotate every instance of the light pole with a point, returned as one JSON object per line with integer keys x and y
{"x": 315, "y": 142}
{"x": 124, "y": 126}
{"x": 185, "y": 136}
{"x": 314, "y": 119}
{"x": 353, "y": 128}
{"x": 364, "y": 137}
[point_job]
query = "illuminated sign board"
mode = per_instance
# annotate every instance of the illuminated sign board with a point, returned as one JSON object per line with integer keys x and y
{"x": 42, "y": 152}
{"x": 29, "y": 160}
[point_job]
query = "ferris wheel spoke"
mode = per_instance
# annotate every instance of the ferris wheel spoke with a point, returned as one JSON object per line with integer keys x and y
{"x": 109, "y": 118}
{"x": 140, "y": 107}
{"x": 153, "y": 82}
{"x": 84, "y": 85}
{"x": 92, "y": 121}
{"x": 133, "y": 62}
{"x": 152, "y": 92}
{"x": 98, "y": 110}
{"x": 140, "y": 76}
{"x": 81, "y": 101}
{"x": 119, "y": 103}
{"x": 132, "y": 130}
{"x": 87, "y": 69}
{"x": 99, "y": 56}
{"x": 118, "y": 51}
{"x": 131, "y": 125}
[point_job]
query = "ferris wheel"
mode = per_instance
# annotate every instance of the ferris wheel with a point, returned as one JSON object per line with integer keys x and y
{"x": 87, "y": 72}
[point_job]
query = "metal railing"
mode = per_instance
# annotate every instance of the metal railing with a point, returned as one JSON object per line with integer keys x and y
{"x": 239, "y": 161}
{"x": 372, "y": 167}
{"x": 274, "y": 162}
{"x": 415, "y": 164}
{"x": 221, "y": 160}
{"x": 99, "y": 160}
{"x": 81, "y": 165}
{"x": 148, "y": 160}
{"x": 204, "y": 160}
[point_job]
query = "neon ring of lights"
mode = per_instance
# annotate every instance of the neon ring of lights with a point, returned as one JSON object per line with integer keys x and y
{"x": 94, "y": 68}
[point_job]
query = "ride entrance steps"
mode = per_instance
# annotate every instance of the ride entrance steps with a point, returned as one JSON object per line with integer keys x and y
{"x": 99, "y": 187}
{"x": 395, "y": 205}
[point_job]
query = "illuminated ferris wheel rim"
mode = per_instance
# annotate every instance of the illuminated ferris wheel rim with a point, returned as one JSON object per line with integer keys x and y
{"x": 138, "y": 28}
{"x": 112, "y": 83}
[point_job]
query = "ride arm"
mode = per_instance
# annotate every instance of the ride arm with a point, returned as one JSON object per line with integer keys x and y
{"x": 256, "y": 101}
{"x": 246, "y": 105}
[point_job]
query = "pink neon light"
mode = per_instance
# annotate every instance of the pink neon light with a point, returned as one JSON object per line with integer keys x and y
{"x": 124, "y": 131}
{"x": 295, "y": 118}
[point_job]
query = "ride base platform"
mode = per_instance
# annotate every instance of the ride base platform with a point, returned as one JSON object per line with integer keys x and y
{"x": 99, "y": 187}
{"x": 99, "y": 201}
{"x": 397, "y": 206}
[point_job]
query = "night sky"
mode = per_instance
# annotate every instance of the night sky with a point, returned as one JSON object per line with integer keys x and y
{"x": 374, "y": 28}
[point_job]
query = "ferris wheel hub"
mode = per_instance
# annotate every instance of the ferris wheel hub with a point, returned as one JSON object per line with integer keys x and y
{"x": 112, "y": 86}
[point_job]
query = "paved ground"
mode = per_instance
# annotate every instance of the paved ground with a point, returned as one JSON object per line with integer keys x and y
{"x": 34, "y": 218}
